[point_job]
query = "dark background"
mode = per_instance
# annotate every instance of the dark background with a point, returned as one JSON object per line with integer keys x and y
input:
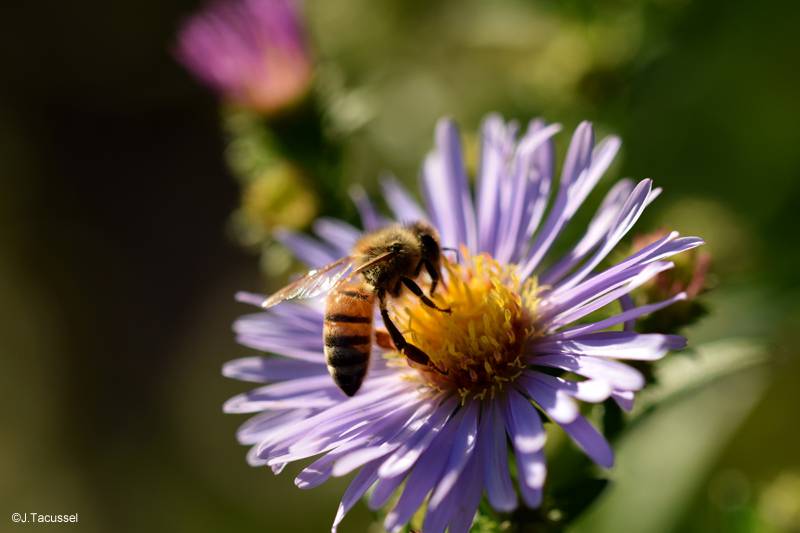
{"x": 117, "y": 268}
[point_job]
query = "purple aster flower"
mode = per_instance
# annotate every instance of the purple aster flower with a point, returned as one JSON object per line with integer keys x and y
{"x": 252, "y": 52}
{"x": 520, "y": 344}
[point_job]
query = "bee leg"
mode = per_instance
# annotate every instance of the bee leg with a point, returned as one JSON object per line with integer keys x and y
{"x": 384, "y": 340}
{"x": 434, "y": 274}
{"x": 404, "y": 347}
{"x": 413, "y": 287}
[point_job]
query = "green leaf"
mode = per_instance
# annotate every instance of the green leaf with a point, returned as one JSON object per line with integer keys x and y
{"x": 679, "y": 427}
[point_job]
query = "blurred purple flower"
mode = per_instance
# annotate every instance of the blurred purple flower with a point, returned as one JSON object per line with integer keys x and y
{"x": 518, "y": 336}
{"x": 252, "y": 52}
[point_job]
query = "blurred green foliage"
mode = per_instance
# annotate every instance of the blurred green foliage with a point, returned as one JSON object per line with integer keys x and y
{"x": 117, "y": 291}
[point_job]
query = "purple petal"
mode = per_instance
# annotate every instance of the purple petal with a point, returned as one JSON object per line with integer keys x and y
{"x": 359, "y": 457}
{"x": 383, "y": 447}
{"x": 578, "y": 312}
{"x": 524, "y": 426}
{"x": 626, "y": 304}
{"x": 263, "y": 369}
{"x": 559, "y": 302}
{"x": 321, "y": 470}
{"x": 624, "y": 399}
{"x": 288, "y": 318}
{"x": 578, "y": 157}
{"x": 523, "y": 193}
{"x": 590, "y": 390}
{"x": 544, "y": 162}
{"x": 251, "y": 298}
{"x": 254, "y": 429}
{"x": 494, "y": 458}
{"x": 461, "y": 499}
{"x": 462, "y": 447}
{"x": 370, "y": 218}
{"x": 310, "y": 251}
{"x": 402, "y": 204}
{"x": 671, "y": 247}
{"x": 661, "y": 249}
{"x": 579, "y": 153}
{"x": 303, "y": 392}
{"x": 436, "y": 189}
{"x": 598, "y": 227}
{"x": 619, "y": 375}
{"x": 340, "y": 416}
{"x": 614, "y": 344}
{"x": 582, "y": 169}
{"x": 558, "y": 405}
{"x": 449, "y": 143}
{"x": 448, "y": 190}
{"x": 271, "y": 325}
{"x": 590, "y": 441}
{"x": 405, "y": 457}
{"x": 293, "y": 330}
{"x": 374, "y": 429}
{"x": 617, "y": 319}
{"x": 363, "y": 481}
{"x": 340, "y": 235}
{"x": 496, "y": 149}
{"x": 253, "y": 459}
{"x": 465, "y": 504}
{"x": 602, "y": 157}
{"x": 424, "y": 476}
{"x": 429, "y": 191}
{"x": 324, "y": 432}
{"x": 532, "y": 473}
{"x": 625, "y": 220}
{"x": 384, "y": 489}
{"x": 278, "y": 345}
{"x": 527, "y": 437}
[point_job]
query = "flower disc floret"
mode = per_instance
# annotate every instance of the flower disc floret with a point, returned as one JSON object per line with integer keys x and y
{"x": 478, "y": 346}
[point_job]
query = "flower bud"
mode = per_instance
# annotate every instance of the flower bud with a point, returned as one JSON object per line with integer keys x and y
{"x": 252, "y": 52}
{"x": 278, "y": 197}
{"x": 690, "y": 275}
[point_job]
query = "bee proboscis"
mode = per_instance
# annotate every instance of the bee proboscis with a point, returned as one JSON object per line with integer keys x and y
{"x": 382, "y": 264}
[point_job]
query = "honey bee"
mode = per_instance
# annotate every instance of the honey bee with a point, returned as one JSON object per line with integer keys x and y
{"x": 382, "y": 264}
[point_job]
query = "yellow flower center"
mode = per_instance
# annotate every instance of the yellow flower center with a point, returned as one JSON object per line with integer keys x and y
{"x": 478, "y": 346}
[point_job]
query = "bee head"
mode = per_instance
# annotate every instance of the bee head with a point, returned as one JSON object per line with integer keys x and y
{"x": 428, "y": 240}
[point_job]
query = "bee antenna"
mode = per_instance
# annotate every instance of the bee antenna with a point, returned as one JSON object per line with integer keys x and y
{"x": 449, "y": 249}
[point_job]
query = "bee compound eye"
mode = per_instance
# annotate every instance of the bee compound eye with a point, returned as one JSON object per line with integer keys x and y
{"x": 429, "y": 245}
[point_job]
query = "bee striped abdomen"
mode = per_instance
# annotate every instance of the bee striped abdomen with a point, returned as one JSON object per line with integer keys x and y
{"x": 347, "y": 335}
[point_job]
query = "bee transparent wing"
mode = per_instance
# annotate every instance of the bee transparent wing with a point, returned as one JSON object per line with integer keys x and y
{"x": 314, "y": 283}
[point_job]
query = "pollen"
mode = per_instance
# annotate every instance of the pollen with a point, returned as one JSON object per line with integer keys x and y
{"x": 476, "y": 349}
